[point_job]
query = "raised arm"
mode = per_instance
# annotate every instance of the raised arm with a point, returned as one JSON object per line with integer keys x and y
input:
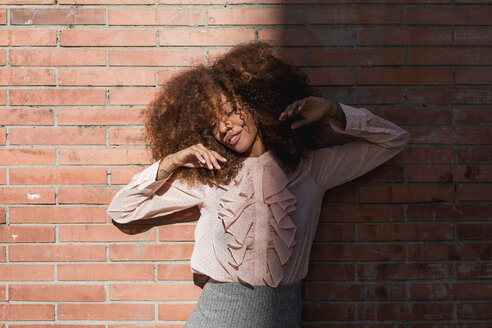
{"x": 379, "y": 140}
{"x": 150, "y": 193}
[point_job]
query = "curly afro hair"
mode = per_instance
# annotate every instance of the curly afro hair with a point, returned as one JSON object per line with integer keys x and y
{"x": 252, "y": 78}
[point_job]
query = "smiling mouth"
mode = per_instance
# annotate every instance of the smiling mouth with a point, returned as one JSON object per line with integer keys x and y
{"x": 234, "y": 139}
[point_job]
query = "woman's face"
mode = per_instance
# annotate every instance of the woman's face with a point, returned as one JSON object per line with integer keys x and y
{"x": 237, "y": 131}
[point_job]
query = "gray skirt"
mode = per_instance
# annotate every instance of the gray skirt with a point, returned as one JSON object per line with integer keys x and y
{"x": 234, "y": 305}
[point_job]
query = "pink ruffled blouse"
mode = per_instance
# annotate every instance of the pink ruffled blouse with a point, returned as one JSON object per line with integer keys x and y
{"x": 259, "y": 229}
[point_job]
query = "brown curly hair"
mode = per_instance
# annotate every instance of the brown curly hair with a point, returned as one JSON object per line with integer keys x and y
{"x": 252, "y": 78}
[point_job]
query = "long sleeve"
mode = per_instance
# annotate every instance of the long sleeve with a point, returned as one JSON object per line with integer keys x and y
{"x": 379, "y": 140}
{"x": 145, "y": 198}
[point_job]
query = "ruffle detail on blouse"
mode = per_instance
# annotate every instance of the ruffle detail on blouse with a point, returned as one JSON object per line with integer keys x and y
{"x": 240, "y": 211}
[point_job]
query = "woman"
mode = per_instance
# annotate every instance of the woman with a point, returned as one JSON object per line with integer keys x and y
{"x": 238, "y": 141}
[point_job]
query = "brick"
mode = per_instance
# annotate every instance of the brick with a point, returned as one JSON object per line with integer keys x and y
{"x": 475, "y": 155}
{"x": 107, "y": 38}
{"x": 406, "y": 311}
{"x": 58, "y": 214}
{"x": 105, "y": 233}
{"x": 449, "y": 16}
{"x": 312, "y": 37}
{"x": 26, "y": 272}
{"x": 474, "y": 270}
{"x": 355, "y": 15}
{"x": 131, "y": 96}
{"x": 154, "y": 292}
{"x": 142, "y": 252}
{"x": 349, "y": 252}
{"x": 341, "y": 194}
{"x": 57, "y": 253}
{"x": 361, "y": 213}
{"x": 330, "y": 271}
{"x": 126, "y": 137}
{"x": 27, "y": 2}
{"x": 27, "y": 312}
{"x": 449, "y": 95}
{"x": 174, "y": 311}
{"x": 18, "y": 38}
{"x": 449, "y": 174}
{"x": 352, "y": 292}
{"x": 383, "y": 173}
{"x": 364, "y": 95}
{"x": 28, "y": 234}
{"x": 355, "y": 57}
{"x": 57, "y": 326}
{"x": 160, "y": 17}
{"x": 396, "y": 232}
{"x": 474, "y": 231}
{"x": 174, "y": 271}
{"x": 203, "y": 37}
{"x": 334, "y": 233}
{"x": 475, "y": 192}
{"x": 123, "y": 175}
{"x": 450, "y": 56}
{"x": 3, "y": 256}
{"x": 404, "y": 271}
{"x": 3, "y": 180}
{"x": 165, "y": 75}
{"x": 86, "y": 195}
{"x": 3, "y": 97}
{"x": 460, "y": 136}
{"x": 105, "y": 272}
{"x": 254, "y": 16}
{"x": 58, "y": 175}
{"x": 21, "y": 156}
{"x": 3, "y": 294}
{"x": 106, "y": 77}
{"x": 405, "y": 37}
{"x": 472, "y": 36}
{"x": 449, "y": 252}
{"x": 98, "y": 156}
{"x": 158, "y": 58}
{"x": 57, "y": 136}
{"x": 58, "y": 97}
{"x": 450, "y": 291}
{"x": 77, "y": 16}
{"x": 3, "y": 58}
{"x": 105, "y": 311}
{"x": 451, "y": 212}
{"x": 20, "y": 76}
{"x": 329, "y": 76}
{"x": 106, "y": 2}
{"x": 57, "y": 293}
{"x": 25, "y": 116}
{"x": 3, "y": 16}
{"x": 294, "y": 57}
{"x": 474, "y": 310}
{"x": 328, "y": 311}
{"x": 122, "y": 116}
{"x": 57, "y": 57}
{"x": 177, "y": 233}
{"x": 3, "y": 139}
{"x": 424, "y": 155}
{"x": 473, "y": 75}
{"x": 404, "y": 76}
{"x": 405, "y": 194}
{"x": 27, "y": 195}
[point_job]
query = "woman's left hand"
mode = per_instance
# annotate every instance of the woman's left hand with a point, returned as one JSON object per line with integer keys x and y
{"x": 311, "y": 108}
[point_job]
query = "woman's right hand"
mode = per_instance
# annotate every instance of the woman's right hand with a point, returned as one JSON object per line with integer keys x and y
{"x": 198, "y": 156}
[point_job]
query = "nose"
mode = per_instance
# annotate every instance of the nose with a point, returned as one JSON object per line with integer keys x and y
{"x": 224, "y": 125}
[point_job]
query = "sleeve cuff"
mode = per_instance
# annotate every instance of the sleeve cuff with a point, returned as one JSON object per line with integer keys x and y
{"x": 356, "y": 119}
{"x": 146, "y": 181}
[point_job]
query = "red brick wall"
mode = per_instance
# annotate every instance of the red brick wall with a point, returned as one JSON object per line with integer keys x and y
{"x": 406, "y": 246}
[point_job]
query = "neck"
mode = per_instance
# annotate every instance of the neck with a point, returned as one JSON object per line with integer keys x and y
{"x": 257, "y": 149}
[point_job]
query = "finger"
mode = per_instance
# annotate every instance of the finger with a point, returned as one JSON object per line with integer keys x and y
{"x": 200, "y": 157}
{"x": 213, "y": 160}
{"x": 218, "y": 156}
{"x": 298, "y": 124}
{"x": 206, "y": 155}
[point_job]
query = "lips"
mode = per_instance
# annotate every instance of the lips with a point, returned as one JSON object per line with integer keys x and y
{"x": 233, "y": 138}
